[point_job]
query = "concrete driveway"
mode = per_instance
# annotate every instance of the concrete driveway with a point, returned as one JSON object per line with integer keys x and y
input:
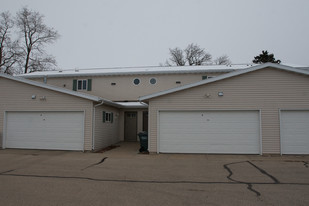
{"x": 123, "y": 177}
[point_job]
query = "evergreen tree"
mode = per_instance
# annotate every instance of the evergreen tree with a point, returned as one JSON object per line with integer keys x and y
{"x": 265, "y": 57}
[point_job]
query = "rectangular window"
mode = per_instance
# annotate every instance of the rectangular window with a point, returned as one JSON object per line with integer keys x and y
{"x": 45, "y": 80}
{"x": 108, "y": 117}
{"x": 207, "y": 77}
{"x": 82, "y": 84}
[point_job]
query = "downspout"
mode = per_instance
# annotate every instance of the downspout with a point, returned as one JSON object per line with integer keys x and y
{"x": 143, "y": 103}
{"x": 93, "y": 122}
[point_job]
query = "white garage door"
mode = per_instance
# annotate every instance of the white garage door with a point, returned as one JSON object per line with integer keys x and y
{"x": 234, "y": 132}
{"x": 294, "y": 132}
{"x": 45, "y": 130}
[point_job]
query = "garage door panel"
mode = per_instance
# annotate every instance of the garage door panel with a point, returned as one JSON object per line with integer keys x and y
{"x": 209, "y": 132}
{"x": 45, "y": 130}
{"x": 210, "y": 141}
{"x": 207, "y": 148}
{"x": 294, "y": 132}
{"x": 210, "y": 128}
{"x": 44, "y": 145}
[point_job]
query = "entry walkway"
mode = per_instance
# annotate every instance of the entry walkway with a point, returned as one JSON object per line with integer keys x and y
{"x": 124, "y": 149}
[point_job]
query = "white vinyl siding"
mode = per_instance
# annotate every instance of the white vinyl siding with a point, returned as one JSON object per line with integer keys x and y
{"x": 226, "y": 132}
{"x": 16, "y": 96}
{"x": 45, "y": 130}
{"x": 294, "y": 132}
{"x": 106, "y": 133}
{"x": 266, "y": 90}
{"x": 124, "y": 89}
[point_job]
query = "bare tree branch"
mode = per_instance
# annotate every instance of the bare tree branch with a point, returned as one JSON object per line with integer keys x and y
{"x": 196, "y": 55}
{"x": 193, "y": 55}
{"x": 8, "y": 49}
{"x": 222, "y": 60}
{"x": 177, "y": 56}
{"x": 36, "y": 36}
{"x": 40, "y": 64}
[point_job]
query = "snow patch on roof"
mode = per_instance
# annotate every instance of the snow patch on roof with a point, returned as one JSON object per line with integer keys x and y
{"x": 133, "y": 104}
{"x": 137, "y": 70}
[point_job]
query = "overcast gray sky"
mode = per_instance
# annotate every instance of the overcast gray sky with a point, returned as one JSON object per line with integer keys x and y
{"x": 118, "y": 33}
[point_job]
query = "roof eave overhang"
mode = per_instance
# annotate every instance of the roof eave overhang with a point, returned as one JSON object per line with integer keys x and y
{"x": 129, "y": 73}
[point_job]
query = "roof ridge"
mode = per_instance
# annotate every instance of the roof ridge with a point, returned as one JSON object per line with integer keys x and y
{"x": 149, "y": 66}
{"x": 136, "y": 71}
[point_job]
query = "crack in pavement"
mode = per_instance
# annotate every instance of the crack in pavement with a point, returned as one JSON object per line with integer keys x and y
{"x": 250, "y": 184}
{"x": 95, "y": 163}
{"x": 249, "y": 187}
{"x": 148, "y": 181}
{"x": 2, "y": 173}
{"x": 226, "y": 167}
{"x": 265, "y": 173}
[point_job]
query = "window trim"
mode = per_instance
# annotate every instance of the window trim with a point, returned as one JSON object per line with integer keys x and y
{"x": 82, "y": 84}
{"x": 107, "y": 117}
{"x": 88, "y": 84}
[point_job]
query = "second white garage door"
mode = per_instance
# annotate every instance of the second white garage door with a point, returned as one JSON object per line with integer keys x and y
{"x": 294, "y": 127}
{"x": 227, "y": 132}
{"x": 45, "y": 130}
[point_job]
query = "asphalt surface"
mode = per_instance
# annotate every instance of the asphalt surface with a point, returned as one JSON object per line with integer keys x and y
{"x": 121, "y": 176}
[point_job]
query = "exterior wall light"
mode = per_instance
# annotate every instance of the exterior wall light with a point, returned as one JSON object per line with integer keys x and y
{"x": 33, "y": 97}
{"x": 207, "y": 95}
{"x": 220, "y": 94}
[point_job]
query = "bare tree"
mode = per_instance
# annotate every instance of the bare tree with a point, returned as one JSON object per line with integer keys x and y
{"x": 177, "y": 57}
{"x": 222, "y": 60}
{"x": 9, "y": 51}
{"x": 196, "y": 55}
{"x": 193, "y": 55}
{"x": 36, "y": 36}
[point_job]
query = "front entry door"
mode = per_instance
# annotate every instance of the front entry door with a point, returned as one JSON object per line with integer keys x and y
{"x": 130, "y": 126}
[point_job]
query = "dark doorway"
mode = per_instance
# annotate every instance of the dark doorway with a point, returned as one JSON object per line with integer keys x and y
{"x": 130, "y": 126}
{"x": 145, "y": 121}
